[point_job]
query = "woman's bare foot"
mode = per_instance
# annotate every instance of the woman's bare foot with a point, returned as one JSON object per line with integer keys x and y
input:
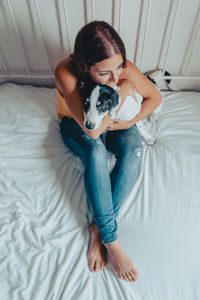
{"x": 97, "y": 256}
{"x": 120, "y": 262}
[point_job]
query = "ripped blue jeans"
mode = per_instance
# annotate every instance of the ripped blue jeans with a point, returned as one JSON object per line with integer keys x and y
{"x": 105, "y": 192}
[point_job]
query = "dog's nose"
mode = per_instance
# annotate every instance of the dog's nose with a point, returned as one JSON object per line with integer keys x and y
{"x": 89, "y": 125}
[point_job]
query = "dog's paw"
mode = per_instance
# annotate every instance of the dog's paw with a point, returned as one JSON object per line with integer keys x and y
{"x": 150, "y": 141}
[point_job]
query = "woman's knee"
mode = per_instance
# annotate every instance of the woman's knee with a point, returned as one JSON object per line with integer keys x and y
{"x": 132, "y": 150}
{"x": 81, "y": 143}
{"x": 96, "y": 150}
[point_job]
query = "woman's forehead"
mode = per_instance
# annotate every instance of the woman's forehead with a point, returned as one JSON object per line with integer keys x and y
{"x": 108, "y": 63}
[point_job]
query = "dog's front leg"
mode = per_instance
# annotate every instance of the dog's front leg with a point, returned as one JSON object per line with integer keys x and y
{"x": 114, "y": 107}
{"x": 148, "y": 138}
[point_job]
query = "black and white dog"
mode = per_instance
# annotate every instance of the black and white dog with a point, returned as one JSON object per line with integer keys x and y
{"x": 99, "y": 99}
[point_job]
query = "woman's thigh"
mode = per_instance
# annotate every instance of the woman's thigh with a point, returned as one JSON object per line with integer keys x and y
{"x": 78, "y": 141}
{"x": 127, "y": 140}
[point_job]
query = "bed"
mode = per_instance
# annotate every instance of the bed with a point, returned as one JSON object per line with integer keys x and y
{"x": 44, "y": 215}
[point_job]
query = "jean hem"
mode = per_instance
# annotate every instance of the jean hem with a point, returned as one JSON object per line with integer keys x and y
{"x": 109, "y": 241}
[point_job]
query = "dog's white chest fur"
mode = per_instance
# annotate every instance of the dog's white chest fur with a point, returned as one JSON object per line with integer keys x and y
{"x": 130, "y": 108}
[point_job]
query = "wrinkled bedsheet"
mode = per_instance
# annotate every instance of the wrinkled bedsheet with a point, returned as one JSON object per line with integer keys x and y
{"x": 44, "y": 214}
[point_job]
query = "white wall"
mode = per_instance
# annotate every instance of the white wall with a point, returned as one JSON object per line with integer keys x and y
{"x": 36, "y": 34}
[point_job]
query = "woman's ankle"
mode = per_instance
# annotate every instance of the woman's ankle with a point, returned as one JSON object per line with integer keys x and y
{"x": 93, "y": 227}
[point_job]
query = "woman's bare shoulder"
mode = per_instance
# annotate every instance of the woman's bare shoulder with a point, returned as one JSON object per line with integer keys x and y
{"x": 142, "y": 84}
{"x": 64, "y": 64}
{"x": 65, "y": 77}
{"x": 66, "y": 67}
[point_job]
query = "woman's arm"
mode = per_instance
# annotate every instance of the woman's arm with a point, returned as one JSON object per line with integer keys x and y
{"x": 143, "y": 86}
{"x": 67, "y": 83}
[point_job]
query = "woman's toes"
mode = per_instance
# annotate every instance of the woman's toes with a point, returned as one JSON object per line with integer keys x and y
{"x": 120, "y": 275}
{"x": 92, "y": 265}
{"x": 102, "y": 265}
{"x": 123, "y": 276}
{"x": 128, "y": 275}
{"x": 91, "y": 268}
{"x": 134, "y": 274}
{"x": 97, "y": 267}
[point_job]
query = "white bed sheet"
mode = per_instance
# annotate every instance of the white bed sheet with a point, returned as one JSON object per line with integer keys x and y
{"x": 44, "y": 213}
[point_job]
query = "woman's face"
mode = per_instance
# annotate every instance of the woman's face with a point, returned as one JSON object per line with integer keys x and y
{"x": 107, "y": 71}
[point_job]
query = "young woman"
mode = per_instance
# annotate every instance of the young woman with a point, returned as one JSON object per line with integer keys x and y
{"x": 99, "y": 54}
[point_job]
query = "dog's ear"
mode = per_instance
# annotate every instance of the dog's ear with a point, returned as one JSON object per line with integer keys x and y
{"x": 86, "y": 88}
{"x": 113, "y": 103}
{"x": 115, "y": 98}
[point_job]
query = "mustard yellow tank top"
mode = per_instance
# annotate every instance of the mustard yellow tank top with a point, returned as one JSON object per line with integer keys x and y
{"x": 62, "y": 108}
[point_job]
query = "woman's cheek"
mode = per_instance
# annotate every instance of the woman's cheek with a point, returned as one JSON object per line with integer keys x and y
{"x": 97, "y": 78}
{"x": 102, "y": 80}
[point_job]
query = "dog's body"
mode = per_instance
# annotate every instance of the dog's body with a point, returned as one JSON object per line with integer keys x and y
{"x": 98, "y": 100}
{"x": 130, "y": 108}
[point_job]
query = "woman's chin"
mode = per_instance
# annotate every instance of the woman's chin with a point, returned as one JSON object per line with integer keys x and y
{"x": 110, "y": 84}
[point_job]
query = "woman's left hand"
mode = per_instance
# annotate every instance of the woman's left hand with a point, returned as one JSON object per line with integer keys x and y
{"x": 119, "y": 125}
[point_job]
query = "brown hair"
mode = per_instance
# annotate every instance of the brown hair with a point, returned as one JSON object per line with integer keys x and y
{"x": 94, "y": 42}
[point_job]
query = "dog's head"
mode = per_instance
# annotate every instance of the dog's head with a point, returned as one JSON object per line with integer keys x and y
{"x": 98, "y": 100}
